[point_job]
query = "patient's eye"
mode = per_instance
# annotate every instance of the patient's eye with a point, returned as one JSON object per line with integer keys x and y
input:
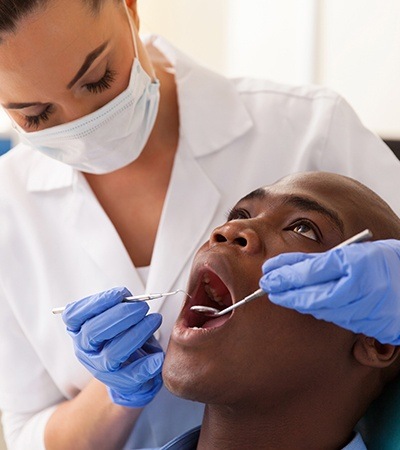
{"x": 238, "y": 213}
{"x": 307, "y": 229}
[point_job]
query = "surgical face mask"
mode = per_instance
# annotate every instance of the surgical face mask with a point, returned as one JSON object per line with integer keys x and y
{"x": 109, "y": 138}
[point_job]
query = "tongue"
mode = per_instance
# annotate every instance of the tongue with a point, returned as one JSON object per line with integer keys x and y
{"x": 217, "y": 322}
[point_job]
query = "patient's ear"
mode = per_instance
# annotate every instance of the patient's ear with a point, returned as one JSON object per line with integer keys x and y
{"x": 370, "y": 352}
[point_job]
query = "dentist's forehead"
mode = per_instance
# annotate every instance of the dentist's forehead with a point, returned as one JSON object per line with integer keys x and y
{"x": 48, "y": 47}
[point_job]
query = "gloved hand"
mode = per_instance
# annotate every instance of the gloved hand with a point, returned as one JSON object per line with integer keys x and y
{"x": 356, "y": 287}
{"x": 114, "y": 341}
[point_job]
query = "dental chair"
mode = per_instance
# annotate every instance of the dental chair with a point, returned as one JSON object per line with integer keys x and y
{"x": 380, "y": 427}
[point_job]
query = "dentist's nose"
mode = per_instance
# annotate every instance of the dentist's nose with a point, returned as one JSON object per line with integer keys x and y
{"x": 238, "y": 233}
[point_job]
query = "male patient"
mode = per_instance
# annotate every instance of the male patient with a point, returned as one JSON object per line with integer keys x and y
{"x": 272, "y": 378}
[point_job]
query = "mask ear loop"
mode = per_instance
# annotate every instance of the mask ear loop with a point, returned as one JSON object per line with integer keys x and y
{"x": 135, "y": 47}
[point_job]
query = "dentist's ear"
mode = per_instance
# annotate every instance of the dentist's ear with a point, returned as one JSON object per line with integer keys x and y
{"x": 132, "y": 8}
{"x": 370, "y": 352}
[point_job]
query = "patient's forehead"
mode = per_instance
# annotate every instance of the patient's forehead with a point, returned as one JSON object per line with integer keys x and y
{"x": 326, "y": 186}
{"x": 324, "y": 192}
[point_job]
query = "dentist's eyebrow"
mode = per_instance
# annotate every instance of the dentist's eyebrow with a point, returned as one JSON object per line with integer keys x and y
{"x": 90, "y": 58}
{"x": 21, "y": 105}
{"x": 307, "y": 204}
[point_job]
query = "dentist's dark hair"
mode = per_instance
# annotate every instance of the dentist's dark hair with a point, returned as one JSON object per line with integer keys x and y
{"x": 12, "y": 11}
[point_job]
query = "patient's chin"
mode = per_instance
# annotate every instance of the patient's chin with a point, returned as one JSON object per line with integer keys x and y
{"x": 183, "y": 380}
{"x": 179, "y": 381}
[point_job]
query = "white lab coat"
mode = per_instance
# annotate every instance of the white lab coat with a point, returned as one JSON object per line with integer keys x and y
{"x": 58, "y": 245}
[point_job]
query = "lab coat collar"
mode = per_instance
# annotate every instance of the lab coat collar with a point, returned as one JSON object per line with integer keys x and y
{"x": 212, "y": 114}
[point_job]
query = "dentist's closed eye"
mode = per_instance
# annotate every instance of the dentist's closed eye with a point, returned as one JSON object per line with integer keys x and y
{"x": 35, "y": 121}
{"x": 238, "y": 213}
{"x": 306, "y": 228}
{"x": 103, "y": 84}
{"x": 97, "y": 87}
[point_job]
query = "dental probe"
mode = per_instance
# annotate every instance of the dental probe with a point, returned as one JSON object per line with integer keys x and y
{"x": 214, "y": 312}
{"x": 133, "y": 298}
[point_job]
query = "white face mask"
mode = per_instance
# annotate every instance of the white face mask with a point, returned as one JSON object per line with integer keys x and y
{"x": 109, "y": 138}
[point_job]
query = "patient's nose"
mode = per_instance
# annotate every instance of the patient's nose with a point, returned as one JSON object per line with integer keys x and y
{"x": 238, "y": 233}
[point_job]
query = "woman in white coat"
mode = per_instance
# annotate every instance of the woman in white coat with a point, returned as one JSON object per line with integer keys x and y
{"x": 131, "y": 154}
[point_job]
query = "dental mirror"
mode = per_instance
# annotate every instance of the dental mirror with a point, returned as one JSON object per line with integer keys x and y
{"x": 214, "y": 312}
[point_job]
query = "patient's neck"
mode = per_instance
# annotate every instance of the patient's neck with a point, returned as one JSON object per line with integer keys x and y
{"x": 309, "y": 424}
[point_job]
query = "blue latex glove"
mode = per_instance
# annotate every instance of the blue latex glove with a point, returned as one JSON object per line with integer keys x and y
{"x": 356, "y": 287}
{"x": 114, "y": 341}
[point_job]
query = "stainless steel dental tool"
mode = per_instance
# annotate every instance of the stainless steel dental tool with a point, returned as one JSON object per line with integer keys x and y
{"x": 214, "y": 312}
{"x": 133, "y": 298}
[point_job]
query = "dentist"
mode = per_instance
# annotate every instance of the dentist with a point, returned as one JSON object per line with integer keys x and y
{"x": 130, "y": 154}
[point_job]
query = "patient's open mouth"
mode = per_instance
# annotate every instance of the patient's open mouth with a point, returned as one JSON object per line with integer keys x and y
{"x": 210, "y": 291}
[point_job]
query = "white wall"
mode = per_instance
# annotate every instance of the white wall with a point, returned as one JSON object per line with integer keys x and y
{"x": 261, "y": 38}
{"x": 352, "y": 46}
{"x": 272, "y": 39}
{"x": 198, "y": 27}
{"x": 360, "y": 58}
{"x": 2, "y": 443}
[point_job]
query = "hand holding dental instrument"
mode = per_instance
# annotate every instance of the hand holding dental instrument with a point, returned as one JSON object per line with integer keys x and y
{"x": 132, "y": 298}
{"x": 214, "y": 312}
{"x": 114, "y": 341}
{"x": 357, "y": 288}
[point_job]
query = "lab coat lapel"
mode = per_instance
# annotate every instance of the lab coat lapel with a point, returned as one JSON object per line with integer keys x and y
{"x": 92, "y": 225}
{"x": 180, "y": 233}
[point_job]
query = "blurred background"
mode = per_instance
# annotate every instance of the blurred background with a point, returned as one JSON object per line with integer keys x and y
{"x": 351, "y": 46}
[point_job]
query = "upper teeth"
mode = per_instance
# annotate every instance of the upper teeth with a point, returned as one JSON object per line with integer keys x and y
{"x": 212, "y": 294}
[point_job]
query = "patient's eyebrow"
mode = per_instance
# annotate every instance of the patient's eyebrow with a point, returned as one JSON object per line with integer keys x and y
{"x": 307, "y": 204}
{"x": 301, "y": 202}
